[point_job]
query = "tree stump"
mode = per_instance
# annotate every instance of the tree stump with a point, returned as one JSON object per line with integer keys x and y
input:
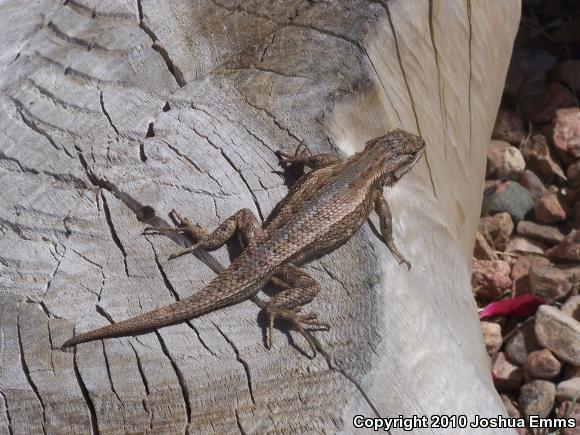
{"x": 116, "y": 112}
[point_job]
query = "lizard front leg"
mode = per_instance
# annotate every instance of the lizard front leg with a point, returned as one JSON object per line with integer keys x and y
{"x": 243, "y": 223}
{"x": 299, "y": 288}
{"x": 303, "y": 158}
{"x": 386, "y": 223}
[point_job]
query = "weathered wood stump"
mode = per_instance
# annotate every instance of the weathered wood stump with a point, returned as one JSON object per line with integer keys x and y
{"x": 115, "y": 112}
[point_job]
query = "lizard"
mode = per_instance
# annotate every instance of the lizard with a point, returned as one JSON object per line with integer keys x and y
{"x": 321, "y": 211}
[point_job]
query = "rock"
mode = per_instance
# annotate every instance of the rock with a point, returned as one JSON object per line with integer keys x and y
{"x": 542, "y": 364}
{"x": 556, "y": 97}
{"x": 568, "y": 249}
{"x": 573, "y": 173}
{"x": 569, "y": 409}
{"x": 551, "y": 208}
{"x": 521, "y": 269}
{"x": 522, "y": 343}
{"x": 490, "y": 278}
{"x": 572, "y": 308}
{"x": 506, "y": 376}
{"x": 482, "y": 250}
{"x": 567, "y": 131}
{"x": 497, "y": 230}
{"x": 534, "y": 185}
{"x": 547, "y": 234}
{"x": 504, "y": 161}
{"x": 568, "y": 389}
{"x": 510, "y": 407}
{"x": 508, "y": 127}
{"x": 559, "y": 333}
{"x": 537, "y": 398}
{"x": 552, "y": 282}
{"x": 568, "y": 72}
{"x": 520, "y": 244}
{"x": 510, "y": 197}
{"x": 536, "y": 153}
{"x": 491, "y": 337}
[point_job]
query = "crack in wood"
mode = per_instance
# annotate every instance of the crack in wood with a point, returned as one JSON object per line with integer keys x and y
{"x": 8, "y": 417}
{"x": 470, "y": 74}
{"x": 440, "y": 84}
{"x": 231, "y": 163}
{"x": 78, "y": 42}
{"x": 65, "y": 105}
{"x": 114, "y": 234}
{"x": 27, "y": 373}
{"x": 86, "y": 396}
{"x": 33, "y": 125}
{"x": 107, "y": 114}
{"x": 180, "y": 378}
{"x": 403, "y": 72}
{"x": 156, "y": 45}
{"x": 243, "y": 362}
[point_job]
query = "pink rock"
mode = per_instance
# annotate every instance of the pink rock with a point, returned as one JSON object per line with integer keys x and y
{"x": 557, "y": 97}
{"x": 491, "y": 337}
{"x": 569, "y": 409}
{"x": 554, "y": 282}
{"x": 534, "y": 185}
{"x": 504, "y": 161}
{"x": 567, "y": 131}
{"x": 482, "y": 250}
{"x": 521, "y": 269}
{"x": 537, "y": 398}
{"x": 520, "y": 244}
{"x": 490, "y": 278}
{"x": 506, "y": 376}
{"x": 559, "y": 333}
{"x": 522, "y": 342}
{"x": 573, "y": 173}
{"x": 497, "y": 230}
{"x": 572, "y": 309}
{"x": 547, "y": 234}
{"x": 542, "y": 364}
{"x": 536, "y": 153}
{"x": 568, "y": 389}
{"x": 508, "y": 127}
{"x": 568, "y": 249}
{"x": 551, "y": 208}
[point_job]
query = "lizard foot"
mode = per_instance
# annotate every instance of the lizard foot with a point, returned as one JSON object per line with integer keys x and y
{"x": 184, "y": 226}
{"x": 300, "y": 155}
{"x": 296, "y": 320}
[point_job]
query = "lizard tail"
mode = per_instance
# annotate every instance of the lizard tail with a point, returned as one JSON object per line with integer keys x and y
{"x": 196, "y": 305}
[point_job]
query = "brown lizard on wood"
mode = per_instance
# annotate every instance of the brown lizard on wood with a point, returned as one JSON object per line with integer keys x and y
{"x": 322, "y": 210}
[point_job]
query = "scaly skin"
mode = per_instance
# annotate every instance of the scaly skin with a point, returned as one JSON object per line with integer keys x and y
{"x": 322, "y": 211}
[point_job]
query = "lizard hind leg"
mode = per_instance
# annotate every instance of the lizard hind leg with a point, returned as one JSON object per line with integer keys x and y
{"x": 299, "y": 288}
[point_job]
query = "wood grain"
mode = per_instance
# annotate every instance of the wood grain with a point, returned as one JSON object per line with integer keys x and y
{"x": 115, "y": 112}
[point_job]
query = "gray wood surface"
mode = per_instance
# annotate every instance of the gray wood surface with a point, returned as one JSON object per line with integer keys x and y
{"x": 112, "y": 113}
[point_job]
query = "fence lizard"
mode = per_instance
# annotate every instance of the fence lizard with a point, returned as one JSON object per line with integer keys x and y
{"x": 322, "y": 210}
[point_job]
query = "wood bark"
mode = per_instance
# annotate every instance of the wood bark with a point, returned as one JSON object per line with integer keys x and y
{"x": 113, "y": 113}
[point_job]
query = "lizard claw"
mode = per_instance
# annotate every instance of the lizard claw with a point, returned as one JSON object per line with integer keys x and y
{"x": 406, "y": 263}
{"x": 296, "y": 320}
{"x": 192, "y": 248}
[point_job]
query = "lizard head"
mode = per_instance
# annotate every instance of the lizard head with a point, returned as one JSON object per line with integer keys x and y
{"x": 396, "y": 153}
